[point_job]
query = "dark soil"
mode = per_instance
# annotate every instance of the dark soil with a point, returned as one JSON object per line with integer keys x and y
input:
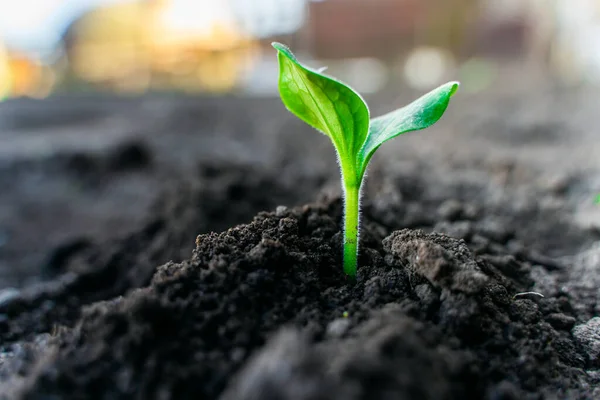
{"x": 260, "y": 308}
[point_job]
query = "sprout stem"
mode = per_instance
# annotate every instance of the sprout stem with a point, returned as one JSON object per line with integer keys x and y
{"x": 351, "y": 228}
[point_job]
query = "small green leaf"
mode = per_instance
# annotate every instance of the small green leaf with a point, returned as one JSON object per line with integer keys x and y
{"x": 338, "y": 111}
{"x": 419, "y": 114}
{"x": 325, "y": 104}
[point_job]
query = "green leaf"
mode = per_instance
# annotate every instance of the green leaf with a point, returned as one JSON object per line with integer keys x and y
{"x": 419, "y": 114}
{"x": 325, "y": 104}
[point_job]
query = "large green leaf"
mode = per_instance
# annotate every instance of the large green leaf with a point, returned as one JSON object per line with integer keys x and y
{"x": 325, "y": 104}
{"x": 420, "y": 114}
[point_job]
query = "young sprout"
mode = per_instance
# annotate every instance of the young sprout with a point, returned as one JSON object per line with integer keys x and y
{"x": 339, "y": 112}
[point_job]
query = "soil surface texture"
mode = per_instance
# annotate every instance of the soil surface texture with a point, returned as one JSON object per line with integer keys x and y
{"x": 181, "y": 248}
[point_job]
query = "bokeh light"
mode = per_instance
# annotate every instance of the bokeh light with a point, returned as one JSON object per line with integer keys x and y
{"x": 220, "y": 46}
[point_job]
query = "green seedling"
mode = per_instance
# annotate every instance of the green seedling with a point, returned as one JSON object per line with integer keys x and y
{"x": 339, "y": 112}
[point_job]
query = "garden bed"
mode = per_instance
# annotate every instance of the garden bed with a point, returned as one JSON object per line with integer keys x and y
{"x": 221, "y": 279}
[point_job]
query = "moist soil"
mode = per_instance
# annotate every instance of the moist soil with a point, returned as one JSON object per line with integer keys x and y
{"x": 223, "y": 280}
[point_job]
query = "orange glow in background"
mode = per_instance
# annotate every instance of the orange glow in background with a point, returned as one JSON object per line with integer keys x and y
{"x": 219, "y": 46}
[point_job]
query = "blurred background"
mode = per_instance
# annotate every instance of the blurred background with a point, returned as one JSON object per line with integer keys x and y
{"x": 223, "y": 46}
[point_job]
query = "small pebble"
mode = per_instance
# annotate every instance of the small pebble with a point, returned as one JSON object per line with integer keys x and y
{"x": 588, "y": 336}
{"x": 280, "y": 211}
{"x": 338, "y": 327}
